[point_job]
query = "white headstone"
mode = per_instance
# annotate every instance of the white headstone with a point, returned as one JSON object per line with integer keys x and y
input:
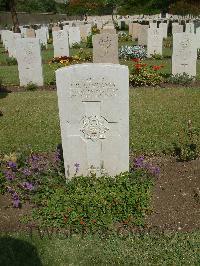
{"x": 41, "y": 34}
{"x": 176, "y": 28}
{"x": 189, "y": 28}
{"x": 142, "y": 35}
{"x": 164, "y": 27}
{"x": 94, "y": 117}
{"x": 154, "y": 41}
{"x": 29, "y": 61}
{"x": 60, "y": 43}
{"x": 74, "y": 36}
{"x": 105, "y": 48}
{"x": 184, "y": 54}
{"x": 12, "y": 44}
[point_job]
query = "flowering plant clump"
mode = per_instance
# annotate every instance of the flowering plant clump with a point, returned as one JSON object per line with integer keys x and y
{"x": 130, "y": 52}
{"x": 25, "y": 177}
{"x": 84, "y": 202}
{"x": 145, "y": 75}
{"x": 80, "y": 57}
{"x": 124, "y": 37}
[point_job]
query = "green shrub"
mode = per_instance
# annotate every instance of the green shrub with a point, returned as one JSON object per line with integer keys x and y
{"x": 89, "y": 43}
{"x": 186, "y": 149}
{"x": 76, "y": 45}
{"x": 31, "y": 87}
{"x": 157, "y": 56}
{"x": 43, "y": 47}
{"x": 181, "y": 79}
{"x": 11, "y": 61}
{"x": 124, "y": 37}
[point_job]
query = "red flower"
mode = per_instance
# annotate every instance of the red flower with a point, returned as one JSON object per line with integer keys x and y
{"x": 157, "y": 67}
{"x": 82, "y": 222}
{"x": 139, "y": 66}
{"x": 136, "y": 60}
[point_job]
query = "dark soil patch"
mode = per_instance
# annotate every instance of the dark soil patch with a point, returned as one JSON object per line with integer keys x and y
{"x": 176, "y": 197}
{"x": 175, "y": 201}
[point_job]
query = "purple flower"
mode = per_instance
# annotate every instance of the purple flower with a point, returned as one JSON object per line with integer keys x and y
{"x": 12, "y": 165}
{"x": 26, "y": 172}
{"x": 139, "y": 162}
{"x": 16, "y": 201}
{"x": 10, "y": 190}
{"x": 156, "y": 171}
{"x": 56, "y": 156}
{"x": 9, "y": 175}
{"x": 28, "y": 186}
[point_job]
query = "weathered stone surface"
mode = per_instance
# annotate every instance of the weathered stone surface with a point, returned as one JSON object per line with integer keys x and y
{"x": 41, "y": 34}
{"x": 74, "y": 36}
{"x": 154, "y": 41}
{"x": 142, "y": 35}
{"x": 94, "y": 117}
{"x": 135, "y": 30}
{"x": 105, "y": 48}
{"x": 60, "y": 43}
{"x": 176, "y": 28}
{"x": 108, "y": 31}
{"x": 184, "y": 54}
{"x": 30, "y": 33}
{"x": 29, "y": 61}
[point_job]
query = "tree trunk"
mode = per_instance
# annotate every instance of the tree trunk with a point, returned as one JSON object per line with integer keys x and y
{"x": 15, "y": 20}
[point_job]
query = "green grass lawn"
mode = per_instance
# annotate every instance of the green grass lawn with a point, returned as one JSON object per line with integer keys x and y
{"x": 171, "y": 249}
{"x": 156, "y": 117}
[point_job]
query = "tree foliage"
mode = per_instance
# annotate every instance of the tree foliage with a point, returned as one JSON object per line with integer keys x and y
{"x": 100, "y": 7}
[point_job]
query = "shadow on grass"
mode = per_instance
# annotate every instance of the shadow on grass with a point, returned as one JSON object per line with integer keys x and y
{"x": 18, "y": 252}
{"x": 4, "y": 92}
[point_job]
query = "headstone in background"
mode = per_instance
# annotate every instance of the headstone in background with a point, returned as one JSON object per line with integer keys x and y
{"x": 135, "y": 30}
{"x": 85, "y": 31}
{"x": 74, "y": 36}
{"x": 108, "y": 31}
{"x": 184, "y": 54}
{"x": 142, "y": 35}
{"x": 164, "y": 27}
{"x": 153, "y": 25}
{"x": 94, "y": 117}
{"x": 29, "y": 61}
{"x": 154, "y": 41}
{"x": 105, "y": 48}
{"x": 12, "y": 43}
{"x": 56, "y": 28}
{"x": 30, "y": 33}
{"x": 130, "y": 29}
{"x": 60, "y": 43}
{"x": 176, "y": 28}
{"x": 41, "y": 34}
{"x": 189, "y": 28}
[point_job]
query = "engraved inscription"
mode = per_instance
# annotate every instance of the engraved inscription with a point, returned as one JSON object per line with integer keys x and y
{"x": 91, "y": 88}
{"x": 94, "y": 127}
{"x": 105, "y": 44}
